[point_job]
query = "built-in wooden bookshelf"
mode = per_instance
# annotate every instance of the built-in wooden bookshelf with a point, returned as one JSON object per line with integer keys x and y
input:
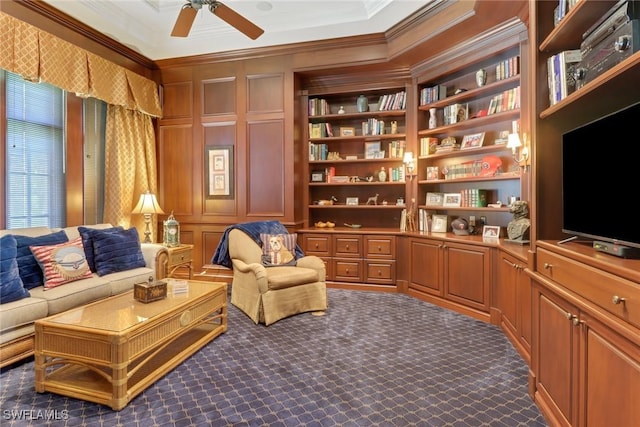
{"x": 349, "y": 145}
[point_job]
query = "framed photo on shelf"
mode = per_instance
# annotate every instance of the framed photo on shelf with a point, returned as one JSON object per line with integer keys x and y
{"x": 472, "y": 141}
{"x": 434, "y": 199}
{"x": 491, "y": 233}
{"x": 347, "y": 131}
{"x": 439, "y": 223}
{"x": 371, "y": 150}
{"x": 452, "y": 200}
{"x": 317, "y": 176}
{"x": 352, "y": 201}
{"x": 503, "y": 138}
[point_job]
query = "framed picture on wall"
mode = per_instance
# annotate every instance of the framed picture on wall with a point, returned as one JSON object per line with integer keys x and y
{"x": 219, "y": 172}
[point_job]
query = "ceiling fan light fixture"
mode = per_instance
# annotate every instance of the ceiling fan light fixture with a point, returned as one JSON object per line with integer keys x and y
{"x": 188, "y": 13}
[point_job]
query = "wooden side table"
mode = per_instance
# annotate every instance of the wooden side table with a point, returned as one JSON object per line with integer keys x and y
{"x": 180, "y": 257}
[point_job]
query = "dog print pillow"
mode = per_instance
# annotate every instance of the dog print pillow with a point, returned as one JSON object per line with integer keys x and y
{"x": 278, "y": 249}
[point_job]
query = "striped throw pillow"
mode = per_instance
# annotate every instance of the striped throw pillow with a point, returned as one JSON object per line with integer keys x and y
{"x": 62, "y": 263}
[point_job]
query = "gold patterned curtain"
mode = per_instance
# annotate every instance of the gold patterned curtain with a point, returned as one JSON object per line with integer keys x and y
{"x": 130, "y": 160}
{"x": 132, "y": 100}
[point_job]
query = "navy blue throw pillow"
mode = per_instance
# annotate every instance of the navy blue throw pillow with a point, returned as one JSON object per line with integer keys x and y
{"x": 30, "y": 271}
{"x": 117, "y": 251}
{"x": 87, "y": 242}
{"x": 11, "y": 288}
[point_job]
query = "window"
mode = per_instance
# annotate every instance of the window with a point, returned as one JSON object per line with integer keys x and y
{"x": 35, "y": 154}
{"x": 95, "y": 118}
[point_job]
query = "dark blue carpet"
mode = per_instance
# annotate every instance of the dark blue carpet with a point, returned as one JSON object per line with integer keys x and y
{"x": 374, "y": 359}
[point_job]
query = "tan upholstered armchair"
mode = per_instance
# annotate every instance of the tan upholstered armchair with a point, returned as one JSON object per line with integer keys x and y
{"x": 268, "y": 294}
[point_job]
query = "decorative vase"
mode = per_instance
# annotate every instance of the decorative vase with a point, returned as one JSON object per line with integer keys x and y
{"x": 382, "y": 175}
{"x": 432, "y": 118}
{"x": 363, "y": 104}
{"x": 341, "y": 110}
{"x": 481, "y": 77}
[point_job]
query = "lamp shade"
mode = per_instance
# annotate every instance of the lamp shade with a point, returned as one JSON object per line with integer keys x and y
{"x": 408, "y": 157}
{"x": 148, "y": 204}
{"x": 514, "y": 141}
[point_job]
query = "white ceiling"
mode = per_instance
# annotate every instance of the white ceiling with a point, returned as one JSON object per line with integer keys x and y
{"x": 145, "y": 25}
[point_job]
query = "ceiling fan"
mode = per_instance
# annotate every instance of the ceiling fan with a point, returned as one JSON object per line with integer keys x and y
{"x": 188, "y": 15}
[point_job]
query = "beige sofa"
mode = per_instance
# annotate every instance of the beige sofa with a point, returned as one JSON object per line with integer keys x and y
{"x": 17, "y": 318}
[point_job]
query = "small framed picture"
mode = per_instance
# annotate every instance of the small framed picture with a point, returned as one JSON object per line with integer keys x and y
{"x": 503, "y": 137}
{"x": 491, "y": 233}
{"x": 472, "y": 141}
{"x": 434, "y": 199}
{"x": 439, "y": 223}
{"x": 452, "y": 200}
{"x": 379, "y": 154}
{"x": 344, "y": 131}
{"x": 371, "y": 149}
{"x": 317, "y": 176}
{"x": 352, "y": 201}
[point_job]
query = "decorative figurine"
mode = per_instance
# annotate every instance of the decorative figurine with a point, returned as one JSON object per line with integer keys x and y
{"x": 394, "y": 126}
{"x": 373, "y": 200}
{"x": 518, "y": 228}
{"x": 341, "y": 110}
{"x": 432, "y": 118}
{"x": 363, "y": 104}
{"x": 382, "y": 175}
{"x": 481, "y": 77}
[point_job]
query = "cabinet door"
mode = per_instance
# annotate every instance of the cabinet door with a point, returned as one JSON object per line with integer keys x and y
{"x": 467, "y": 275}
{"x": 426, "y": 259}
{"x": 611, "y": 378}
{"x": 556, "y": 356}
{"x": 506, "y": 290}
{"x": 512, "y": 297}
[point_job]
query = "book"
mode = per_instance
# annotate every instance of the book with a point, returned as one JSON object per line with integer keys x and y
{"x": 569, "y": 60}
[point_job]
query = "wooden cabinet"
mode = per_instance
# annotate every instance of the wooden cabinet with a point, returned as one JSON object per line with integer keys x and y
{"x": 452, "y": 274}
{"x": 586, "y": 356}
{"x": 463, "y": 152}
{"x": 512, "y": 298}
{"x": 180, "y": 257}
{"x": 355, "y": 158}
{"x": 354, "y": 257}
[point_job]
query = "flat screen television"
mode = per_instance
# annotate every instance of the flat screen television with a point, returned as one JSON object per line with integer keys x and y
{"x": 601, "y": 179}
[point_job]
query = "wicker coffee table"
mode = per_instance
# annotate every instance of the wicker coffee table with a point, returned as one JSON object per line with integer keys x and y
{"x": 109, "y": 351}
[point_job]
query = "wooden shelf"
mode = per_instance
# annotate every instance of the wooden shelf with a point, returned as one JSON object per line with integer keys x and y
{"x": 473, "y": 123}
{"x": 472, "y": 93}
{"x": 502, "y": 177}
{"x": 569, "y": 31}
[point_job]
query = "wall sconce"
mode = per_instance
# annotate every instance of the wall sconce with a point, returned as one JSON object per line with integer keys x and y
{"x": 147, "y": 205}
{"x": 514, "y": 143}
{"x": 410, "y": 163}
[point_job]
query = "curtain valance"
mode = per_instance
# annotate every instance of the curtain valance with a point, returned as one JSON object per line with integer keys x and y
{"x": 39, "y": 56}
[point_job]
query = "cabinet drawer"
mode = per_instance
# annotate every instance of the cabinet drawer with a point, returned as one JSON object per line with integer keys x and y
{"x": 380, "y": 247}
{"x": 380, "y": 272}
{"x": 347, "y": 271}
{"x": 317, "y": 244}
{"x": 179, "y": 256}
{"x": 348, "y": 246}
{"x": 597, "y": 286}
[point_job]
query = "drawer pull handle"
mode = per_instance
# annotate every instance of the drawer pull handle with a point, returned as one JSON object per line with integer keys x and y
{"x": 379, "y": 273}
{"x": 617, "y": 300}
{"x": 316, "y": 246}
{"x": 569, "y": 316}
{"x": 547, "y": 266}
{"x": 347, "y": 247}
{"x": 575, "y": 321}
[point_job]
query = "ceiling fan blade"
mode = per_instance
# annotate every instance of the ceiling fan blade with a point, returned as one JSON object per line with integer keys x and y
{"x": 184, "y": 22}
{"x": 236, "y": 20}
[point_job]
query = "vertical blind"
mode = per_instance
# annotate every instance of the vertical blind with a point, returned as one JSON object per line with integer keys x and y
{"x": 35, "y": 154}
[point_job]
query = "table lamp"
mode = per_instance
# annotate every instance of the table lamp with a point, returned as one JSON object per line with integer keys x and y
{"x": 147, "y": 205}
